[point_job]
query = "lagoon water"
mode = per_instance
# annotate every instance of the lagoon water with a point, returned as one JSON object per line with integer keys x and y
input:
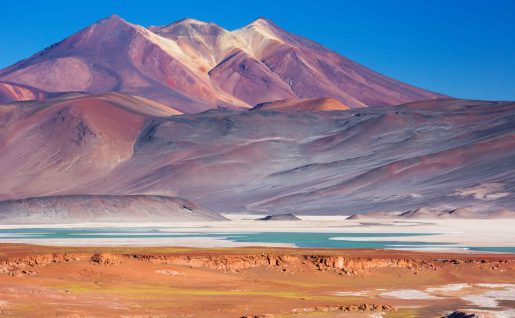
{"x": 306, "y": 240}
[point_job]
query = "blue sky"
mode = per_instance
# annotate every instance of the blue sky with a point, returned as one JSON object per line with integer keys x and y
{"x": 463, "y": 48}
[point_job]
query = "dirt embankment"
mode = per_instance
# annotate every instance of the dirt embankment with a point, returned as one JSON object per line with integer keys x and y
{"x": 342, "y": 265}
{"x": 238, "y": 282}
{"x": 237, "y": 263}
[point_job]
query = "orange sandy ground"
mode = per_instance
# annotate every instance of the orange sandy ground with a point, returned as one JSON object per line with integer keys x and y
{"x": 122, "y": 285}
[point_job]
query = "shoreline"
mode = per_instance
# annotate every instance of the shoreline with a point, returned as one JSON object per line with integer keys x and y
{"x": 458, "y": 233}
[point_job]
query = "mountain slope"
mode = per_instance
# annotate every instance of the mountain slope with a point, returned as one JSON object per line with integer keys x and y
{"x": 193, "y": 66}
{"x": 51, "y": 145}
{"x": 439, "y": 154}
{"x": 114, "y": 55}
{"x": 103, "y": 208}
{"x": 425, "y": 213}
{"x": 10, "y": 92}
{"x": 313, "y": 71}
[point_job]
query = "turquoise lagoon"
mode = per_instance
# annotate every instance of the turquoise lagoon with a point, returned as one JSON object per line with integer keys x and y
{"x": 298, "y": 239}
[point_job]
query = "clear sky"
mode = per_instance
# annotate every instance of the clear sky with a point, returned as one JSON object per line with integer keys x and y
{"x": 463, "y": 48}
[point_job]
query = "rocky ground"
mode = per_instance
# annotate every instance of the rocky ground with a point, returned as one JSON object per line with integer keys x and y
{"x": 247, "y": 282}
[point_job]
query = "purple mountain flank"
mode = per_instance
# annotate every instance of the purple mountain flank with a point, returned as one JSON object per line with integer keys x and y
{"x": 436, "y": 154}
{"x": 193, "y": 66}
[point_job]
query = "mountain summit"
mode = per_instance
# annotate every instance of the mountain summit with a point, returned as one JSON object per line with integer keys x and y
{"x": 193, "y": 66}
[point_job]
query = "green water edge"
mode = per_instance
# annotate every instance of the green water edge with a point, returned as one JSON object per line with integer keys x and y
{"x": 298, "y": 239}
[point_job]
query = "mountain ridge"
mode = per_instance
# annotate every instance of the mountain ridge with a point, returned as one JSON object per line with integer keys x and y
{"x": 193, "y": 66}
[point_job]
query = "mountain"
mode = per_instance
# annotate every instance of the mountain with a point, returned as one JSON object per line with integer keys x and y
{"x": 193, "y": 66}
{"x": 443, "y": 153}
{"x": 113, "y": 55}
{"x": 103, "y": 208}
{"x": 256, "y": 119}
{"x": 425, "y": 213}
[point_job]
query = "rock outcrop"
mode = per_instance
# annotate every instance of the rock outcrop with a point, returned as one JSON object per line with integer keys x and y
{"x": 280, "y": 217}
{"x": 106, "y": 259}
{"x": 347, "y": 308}
{"x": 333, "y": 308}
{"x": 353, "y": 266}
{"x": 342, "y": 265}
{"x": 461, "y": 314}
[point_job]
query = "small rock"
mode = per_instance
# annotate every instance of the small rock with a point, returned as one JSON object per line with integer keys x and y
{"x": 460, "y": 314}
{"x": 105, "y": 258}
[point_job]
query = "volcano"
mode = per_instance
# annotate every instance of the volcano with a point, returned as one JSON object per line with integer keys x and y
{"x": 194, "y": 66}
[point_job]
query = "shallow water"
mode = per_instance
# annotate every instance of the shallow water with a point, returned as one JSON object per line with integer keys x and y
{"x": 498, "y": 249}
{"x": 307, "y": 240}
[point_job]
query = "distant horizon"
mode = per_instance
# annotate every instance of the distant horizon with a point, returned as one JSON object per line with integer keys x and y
{"x": 461, "y": 49}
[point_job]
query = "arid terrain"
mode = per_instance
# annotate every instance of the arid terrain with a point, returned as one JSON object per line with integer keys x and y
{"x": 148, "y": 274}
{"x": 187, "y": 170}
{"x": 445, "y": 154}
{"x": 253, "y": 120}
{"x": 249, "y": 282}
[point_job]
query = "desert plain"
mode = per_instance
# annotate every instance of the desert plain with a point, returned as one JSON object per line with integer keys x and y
{"x": 212, "y": 277}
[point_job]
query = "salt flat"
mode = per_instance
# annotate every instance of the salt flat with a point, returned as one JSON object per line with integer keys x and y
{"x": 457, "y": 232}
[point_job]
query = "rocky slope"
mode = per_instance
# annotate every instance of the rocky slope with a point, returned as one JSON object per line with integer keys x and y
{"x": 75, "y": 209}
{"x": 192, "y": 66}
{"x": 47, "y": 146}
{"x": 440, "y": 154}
{"x": 360, "y": 264}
